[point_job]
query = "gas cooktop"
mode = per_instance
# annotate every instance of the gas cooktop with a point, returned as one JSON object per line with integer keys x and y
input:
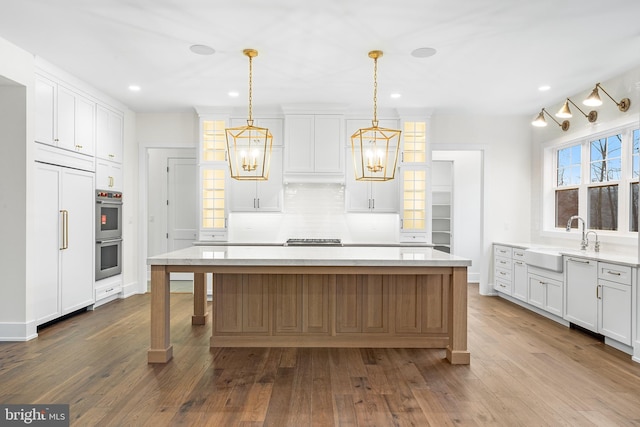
{"x": 313, "y": 242}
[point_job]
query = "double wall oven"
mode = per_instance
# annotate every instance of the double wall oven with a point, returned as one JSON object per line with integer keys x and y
{"x": 108, "y": 233}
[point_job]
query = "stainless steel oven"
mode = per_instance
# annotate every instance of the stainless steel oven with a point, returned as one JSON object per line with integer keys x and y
{"x": 108, "y": 215}
{"x": 108, "y": 258}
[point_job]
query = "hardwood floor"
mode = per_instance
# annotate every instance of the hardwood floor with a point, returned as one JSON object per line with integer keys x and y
{"x": 525, "y": 370}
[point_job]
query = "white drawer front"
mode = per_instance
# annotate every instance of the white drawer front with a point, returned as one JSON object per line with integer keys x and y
{"x": 614, "y": 273}
{"x": 502, "y": 274}
{"x": 502, "y": 251}
{"x": 518, "y": 254}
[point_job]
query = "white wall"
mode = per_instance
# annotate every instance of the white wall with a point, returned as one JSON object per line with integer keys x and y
{"x": 156, "y": 132}
{"x": 609, "y": 117}
{"x": 505, "y": 143}
{"x": 467, "y": 215}
{"x": 16, "y": 119}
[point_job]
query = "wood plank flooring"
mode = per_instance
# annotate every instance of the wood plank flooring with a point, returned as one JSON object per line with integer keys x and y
{"x": 525, "y": 371}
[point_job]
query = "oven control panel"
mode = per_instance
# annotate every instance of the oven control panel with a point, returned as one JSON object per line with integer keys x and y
{"x": 108, "y": 195}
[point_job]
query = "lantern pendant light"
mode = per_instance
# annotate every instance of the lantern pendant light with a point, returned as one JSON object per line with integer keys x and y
{"x": 375, "y": 149}
{"x": 249, "y": 147}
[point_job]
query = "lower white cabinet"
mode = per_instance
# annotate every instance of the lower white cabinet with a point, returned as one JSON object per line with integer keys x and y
{"x": 519, "y": 276}
{"x": 599, "y": 297}
{"x": 64, "y": 247}
{"x": 582, "y": 285}
{"x": 545, "y": 290}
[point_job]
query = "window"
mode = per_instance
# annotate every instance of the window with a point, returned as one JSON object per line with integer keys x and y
{"x": 569, "y": 160}
{"x": 597, "y": 178}
{"x": 567, "y": 174}
{"x": 605, "y": 165}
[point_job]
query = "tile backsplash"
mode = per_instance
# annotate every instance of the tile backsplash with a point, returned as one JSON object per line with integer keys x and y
{"x": 313, "y": 211}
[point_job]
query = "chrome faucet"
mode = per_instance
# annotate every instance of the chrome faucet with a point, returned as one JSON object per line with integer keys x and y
{"x": 596, "y": 244}
{"x": 584, "y": 242}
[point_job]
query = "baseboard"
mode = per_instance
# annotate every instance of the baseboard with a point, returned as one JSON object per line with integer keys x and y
{"x": 130, "y": 289}
{"x": 18, "y": 331}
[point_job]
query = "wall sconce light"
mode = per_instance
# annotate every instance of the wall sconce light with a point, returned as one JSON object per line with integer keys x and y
{"x": 540, "y": 121}
{"x": 565, "y": 112}
{"x": 594, "y": 100}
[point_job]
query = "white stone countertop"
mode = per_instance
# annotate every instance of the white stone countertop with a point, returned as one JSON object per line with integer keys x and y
{"x": 385, "y": 256}
{"x": 612, "y": 257}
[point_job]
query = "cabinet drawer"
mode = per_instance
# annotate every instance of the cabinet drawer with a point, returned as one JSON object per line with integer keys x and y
{"x": 518, "y": 254}
{"x": 503, "y": 251}
{"x": 503, "y": 274}
{"x": 502, "y": 286}
{"x": 614, "y": 273}
{"x": 501, "y": 262}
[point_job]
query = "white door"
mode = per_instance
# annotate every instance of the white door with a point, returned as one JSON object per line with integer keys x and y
{"x": 77, "y": 260}
{"x": 182, "y": 202}
{"x": 48, "y": 220}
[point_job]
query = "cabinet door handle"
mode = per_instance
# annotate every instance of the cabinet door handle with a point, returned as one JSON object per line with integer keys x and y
{"x": 65, "y": 229}
{"x": 373, "y": 203}
{"x": 258, "y": 199}
{"x": 598, "y": 292}
{"x": 615, "y": 273}
{"x": 578, "y": 261}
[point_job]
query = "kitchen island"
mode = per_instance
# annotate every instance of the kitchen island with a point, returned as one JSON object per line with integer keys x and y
{"x": 284, "y": 296}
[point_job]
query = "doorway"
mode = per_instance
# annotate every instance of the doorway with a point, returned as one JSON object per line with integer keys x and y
{"x": 172, "y": 188}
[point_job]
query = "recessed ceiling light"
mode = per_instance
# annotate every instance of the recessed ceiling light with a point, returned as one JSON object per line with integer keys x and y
{"x": 201, "y": 49}
{"x": 233, "y": 94}
{"x": 134, "y": 88}
{"x": 423, "y": 52}
{"x": 396, "y": 95}
{"x": 544, "y": 88}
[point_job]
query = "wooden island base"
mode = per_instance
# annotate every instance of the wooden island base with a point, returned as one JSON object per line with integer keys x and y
{"x": 316, "y": 306}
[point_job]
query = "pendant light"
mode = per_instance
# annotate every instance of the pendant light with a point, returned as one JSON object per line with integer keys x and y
{"x": 249, "y": 147}
{"x": 375, "y": 149}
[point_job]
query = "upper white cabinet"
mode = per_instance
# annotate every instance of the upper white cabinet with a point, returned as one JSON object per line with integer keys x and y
{"x": 108, "y": 175}
{"x": 109, "y": 134}
{"x": 266, "y": 196}
{"x": 314, "y": 147}
{"x": 64, "y": 118}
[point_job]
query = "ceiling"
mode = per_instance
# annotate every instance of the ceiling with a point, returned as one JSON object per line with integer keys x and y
{"x": 492, "y": 55}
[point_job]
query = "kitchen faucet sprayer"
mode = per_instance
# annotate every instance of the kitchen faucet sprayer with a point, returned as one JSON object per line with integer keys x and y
{"x": 583, "y": 243}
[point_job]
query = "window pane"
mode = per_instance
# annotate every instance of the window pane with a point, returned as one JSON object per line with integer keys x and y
{"x": 566, "y": 206}
{"x": 605, "y": 159}
{"x": 636, "y": 155}
{"x": 633, "y": 221}
{"x": 603, "y": 207}
{"x": 568, "y": 169}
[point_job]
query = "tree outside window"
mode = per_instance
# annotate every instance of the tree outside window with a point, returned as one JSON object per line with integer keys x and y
{"x": 605, "y": 166}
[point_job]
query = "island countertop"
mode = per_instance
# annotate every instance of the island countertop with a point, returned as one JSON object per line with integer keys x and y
{"x": 356, "y": 256}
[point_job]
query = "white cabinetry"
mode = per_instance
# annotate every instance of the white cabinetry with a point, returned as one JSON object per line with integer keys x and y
{"x": 582, "y": 287}
{"x": 64, "y": 226}
{"x": 599, "y": 297}
{"x": 109, "y": 134}
{"x": 614, "y": 302}
{"x": 108, "y": 175}
{"x": 545, "y": 289}
{"x": 64, "y": 118}
{"x": 314, "y": 147}
{"x": 370, "y": 196}
{"x": 249, "y": 196}
{"x": 519, "y": 276}
{"x": 502, "y": 269}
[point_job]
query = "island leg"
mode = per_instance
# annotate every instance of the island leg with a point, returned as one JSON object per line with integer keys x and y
{"x": 161, "y": 350}
{"x": 199, "y": 300}
{"x": 457, "y": 352}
